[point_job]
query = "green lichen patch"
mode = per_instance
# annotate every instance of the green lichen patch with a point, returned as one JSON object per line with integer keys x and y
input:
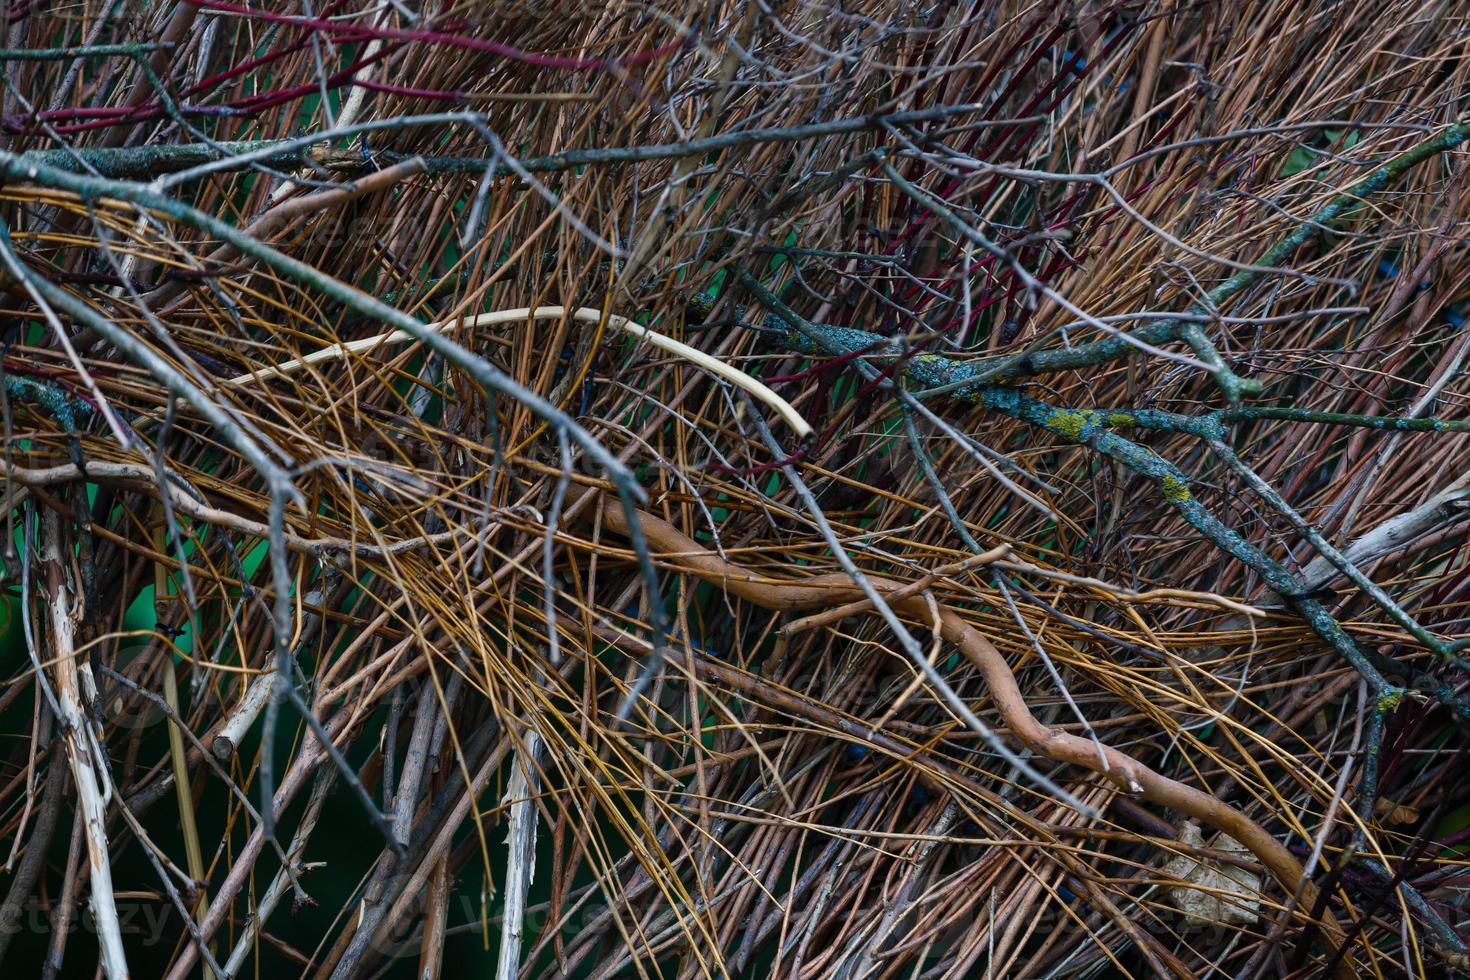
{"x": 1071, "y": 424}
{"x": 1175, "y": 489}
{"x": 1389, "y": 700}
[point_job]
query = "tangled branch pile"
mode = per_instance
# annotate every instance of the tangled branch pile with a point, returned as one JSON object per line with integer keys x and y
{"x": 738, "y": 488}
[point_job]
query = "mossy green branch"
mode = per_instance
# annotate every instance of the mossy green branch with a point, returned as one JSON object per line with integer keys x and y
{"x": 972, "y": 381}
{"x": 61, "y": 405}
{"x": 1099, "y": 431}
{"x": 142, "y": 162}
{"x": 1383, "y": 423}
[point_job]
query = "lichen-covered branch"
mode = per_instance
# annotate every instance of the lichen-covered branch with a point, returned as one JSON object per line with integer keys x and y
{"x": 1099, "y": 430}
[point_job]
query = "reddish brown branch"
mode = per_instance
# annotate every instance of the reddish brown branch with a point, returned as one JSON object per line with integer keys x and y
{"x": 825, "y": 591}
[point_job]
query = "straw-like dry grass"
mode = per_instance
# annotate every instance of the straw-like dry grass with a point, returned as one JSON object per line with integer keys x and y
{"x": 1111, "y": 544}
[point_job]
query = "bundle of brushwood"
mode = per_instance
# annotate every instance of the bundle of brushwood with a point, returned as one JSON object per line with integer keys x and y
{"x": 735, "y": 488}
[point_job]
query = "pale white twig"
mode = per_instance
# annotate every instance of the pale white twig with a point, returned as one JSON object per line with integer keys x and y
{"x": 521, "y": 867}
{"x": 584, "y": 314}
{"x": 87, "y": 776}
{"x": 242, "y": 716}
{"x": 1446, "y": 508}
